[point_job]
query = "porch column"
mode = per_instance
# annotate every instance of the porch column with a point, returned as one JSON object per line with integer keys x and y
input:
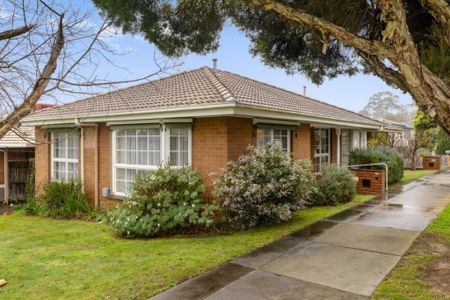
{"x": 338, "y": 152}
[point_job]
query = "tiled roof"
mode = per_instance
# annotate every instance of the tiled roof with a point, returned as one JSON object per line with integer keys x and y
{"x": 202, "y": 86}
{"x": 18, "y": 137}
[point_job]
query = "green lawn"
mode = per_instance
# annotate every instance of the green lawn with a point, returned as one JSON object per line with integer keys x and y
{"x": 424, "y": 272}
{"x": 410, "y": 175}
{"x": 49, "y": 259}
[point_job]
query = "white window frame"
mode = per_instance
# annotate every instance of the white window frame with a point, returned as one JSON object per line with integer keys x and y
{"x": 166, "y": 147}
{"x": 288, "y": 134}
{"x": 328, "y": 155}
{"x": 65, "y": 160}
{"x": 164, "y": 154}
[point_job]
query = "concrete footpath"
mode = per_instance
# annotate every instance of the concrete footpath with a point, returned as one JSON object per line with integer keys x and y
{"x": 343, "y": 257}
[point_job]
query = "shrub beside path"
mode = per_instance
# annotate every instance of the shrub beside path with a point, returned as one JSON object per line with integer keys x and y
{"x": 342, "y": 257}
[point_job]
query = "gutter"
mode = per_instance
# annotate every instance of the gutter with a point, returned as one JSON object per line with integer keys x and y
{"x": 223, "y": 109}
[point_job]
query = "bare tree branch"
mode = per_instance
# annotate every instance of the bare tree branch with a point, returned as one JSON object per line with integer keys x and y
{"x": 9, "y": 34}
{"x": 25, "y": 108}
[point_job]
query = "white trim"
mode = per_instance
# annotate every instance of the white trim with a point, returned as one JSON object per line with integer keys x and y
{"x": 223, "y": 109}
{"x": 278, "y": 122}
{"x": 150, "y": 121}
{"x": 16, "y": 145}
{"x": 338, "y": 145}
{"x": 81, "y": 156}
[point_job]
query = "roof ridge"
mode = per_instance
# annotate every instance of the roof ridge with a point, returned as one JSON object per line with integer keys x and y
{"x": 224, "y": 92}
{"x": 299, "y": 95}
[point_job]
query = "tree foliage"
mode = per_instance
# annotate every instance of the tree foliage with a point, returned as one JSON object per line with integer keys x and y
{"x": 405, "y": 42}
{"x": 385, "y": 105}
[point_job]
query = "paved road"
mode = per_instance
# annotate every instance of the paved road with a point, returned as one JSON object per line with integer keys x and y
{"x": 343, "y": 257}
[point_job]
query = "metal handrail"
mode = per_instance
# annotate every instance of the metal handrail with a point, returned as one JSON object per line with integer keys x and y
{"x": 376, "y": 164}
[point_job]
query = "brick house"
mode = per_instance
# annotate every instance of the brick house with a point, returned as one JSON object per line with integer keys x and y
{"x": 203, "y": 118}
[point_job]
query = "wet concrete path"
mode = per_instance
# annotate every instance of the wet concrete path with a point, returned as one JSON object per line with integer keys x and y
{"x": 343, "y": 257}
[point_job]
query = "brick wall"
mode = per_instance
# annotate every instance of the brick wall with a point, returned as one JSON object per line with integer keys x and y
{"x": 431, "y": 163}
{"x": 301, "y": 142}
{"x": 241, "y": 134}
{"x": 374, "y": 178}
{"x": 105, "y": 164}
{"x": 89, "y": 143}
{"x": 333, "y": 145}
{"x": 42, "y": 158}
{"x": 209, "y": 145}
{"x": 215, "y": 141}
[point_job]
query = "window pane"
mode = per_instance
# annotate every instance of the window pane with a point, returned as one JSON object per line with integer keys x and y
{"x": 59, "y": 144}
{"x": 72, "y": 145}
{"x": 72, "y": 170}
{"x": 179, "y": 146}
{"x": 138, "y": 146}
{"x": 259, "y": 137}
{"x": 65, "y": 151}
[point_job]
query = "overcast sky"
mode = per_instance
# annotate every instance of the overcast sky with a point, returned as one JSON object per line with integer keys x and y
{"x": 233, "y": 55}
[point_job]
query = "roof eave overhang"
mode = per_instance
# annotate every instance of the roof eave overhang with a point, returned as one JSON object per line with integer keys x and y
{"x": 212, "y": 110}
{"x": 16, "y": 145}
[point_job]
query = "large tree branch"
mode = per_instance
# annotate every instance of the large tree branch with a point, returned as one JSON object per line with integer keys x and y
{"x": 8, "y": 34}
{"x": 384, "y": 72}
{"x": 440, "y": 10}
{"x": 327, "y": 28}
{"x": 39, "y": 87}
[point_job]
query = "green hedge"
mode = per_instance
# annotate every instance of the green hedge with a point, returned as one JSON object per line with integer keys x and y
{"x": 380, "y": 154}
{"x": 335, "y": 185}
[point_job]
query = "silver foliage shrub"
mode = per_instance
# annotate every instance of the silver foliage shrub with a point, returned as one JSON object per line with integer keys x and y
{"x": 263, "y": 187}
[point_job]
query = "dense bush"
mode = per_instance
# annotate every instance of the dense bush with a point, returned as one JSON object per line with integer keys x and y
{"x": 163, "y": 201}
{"x": 335, "y": 185}
{"x": 60, "y": 199}
{"x": 263, "y": 187}
{"x": 380, "y": 154}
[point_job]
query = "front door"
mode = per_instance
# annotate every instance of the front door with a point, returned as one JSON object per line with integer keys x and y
{"x": 345, "y": 146}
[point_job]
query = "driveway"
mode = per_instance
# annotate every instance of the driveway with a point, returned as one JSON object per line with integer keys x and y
{"x": 343, "y": 257}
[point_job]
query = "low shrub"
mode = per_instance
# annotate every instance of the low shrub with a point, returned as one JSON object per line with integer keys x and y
{"x": 380, "y": 154}
{"x": 335, "y": 185}
{"x": 263, "y": 187}
{"x": 60, "y": 199}
{"x": 164, "y": 201}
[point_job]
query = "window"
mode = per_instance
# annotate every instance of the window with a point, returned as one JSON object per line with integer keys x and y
{"x": 139, "y": 150}
{"x": 279, "y": 136}
{"x": 64, "y": 155}
{"x": 321, "y": 147}
{"x": 136, "y": 151}
{"x": 179, "y": 146}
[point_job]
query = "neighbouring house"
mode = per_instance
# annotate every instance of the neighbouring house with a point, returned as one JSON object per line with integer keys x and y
{"x": 16, "y": 161}
{"x": 202, "y": 118}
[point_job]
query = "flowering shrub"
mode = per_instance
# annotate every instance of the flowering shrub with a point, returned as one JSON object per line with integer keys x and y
{"x": 335, "y": 185}
{"x": 162, "y": 201}
{"x": 263, "y": 187}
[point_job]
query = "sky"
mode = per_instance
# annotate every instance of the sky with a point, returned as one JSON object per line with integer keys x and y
{"x": 233, "y": 55}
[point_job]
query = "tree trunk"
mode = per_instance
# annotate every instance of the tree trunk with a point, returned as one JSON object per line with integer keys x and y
{"x": 429, "y": 91}
{"x": 39, "y": 87}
